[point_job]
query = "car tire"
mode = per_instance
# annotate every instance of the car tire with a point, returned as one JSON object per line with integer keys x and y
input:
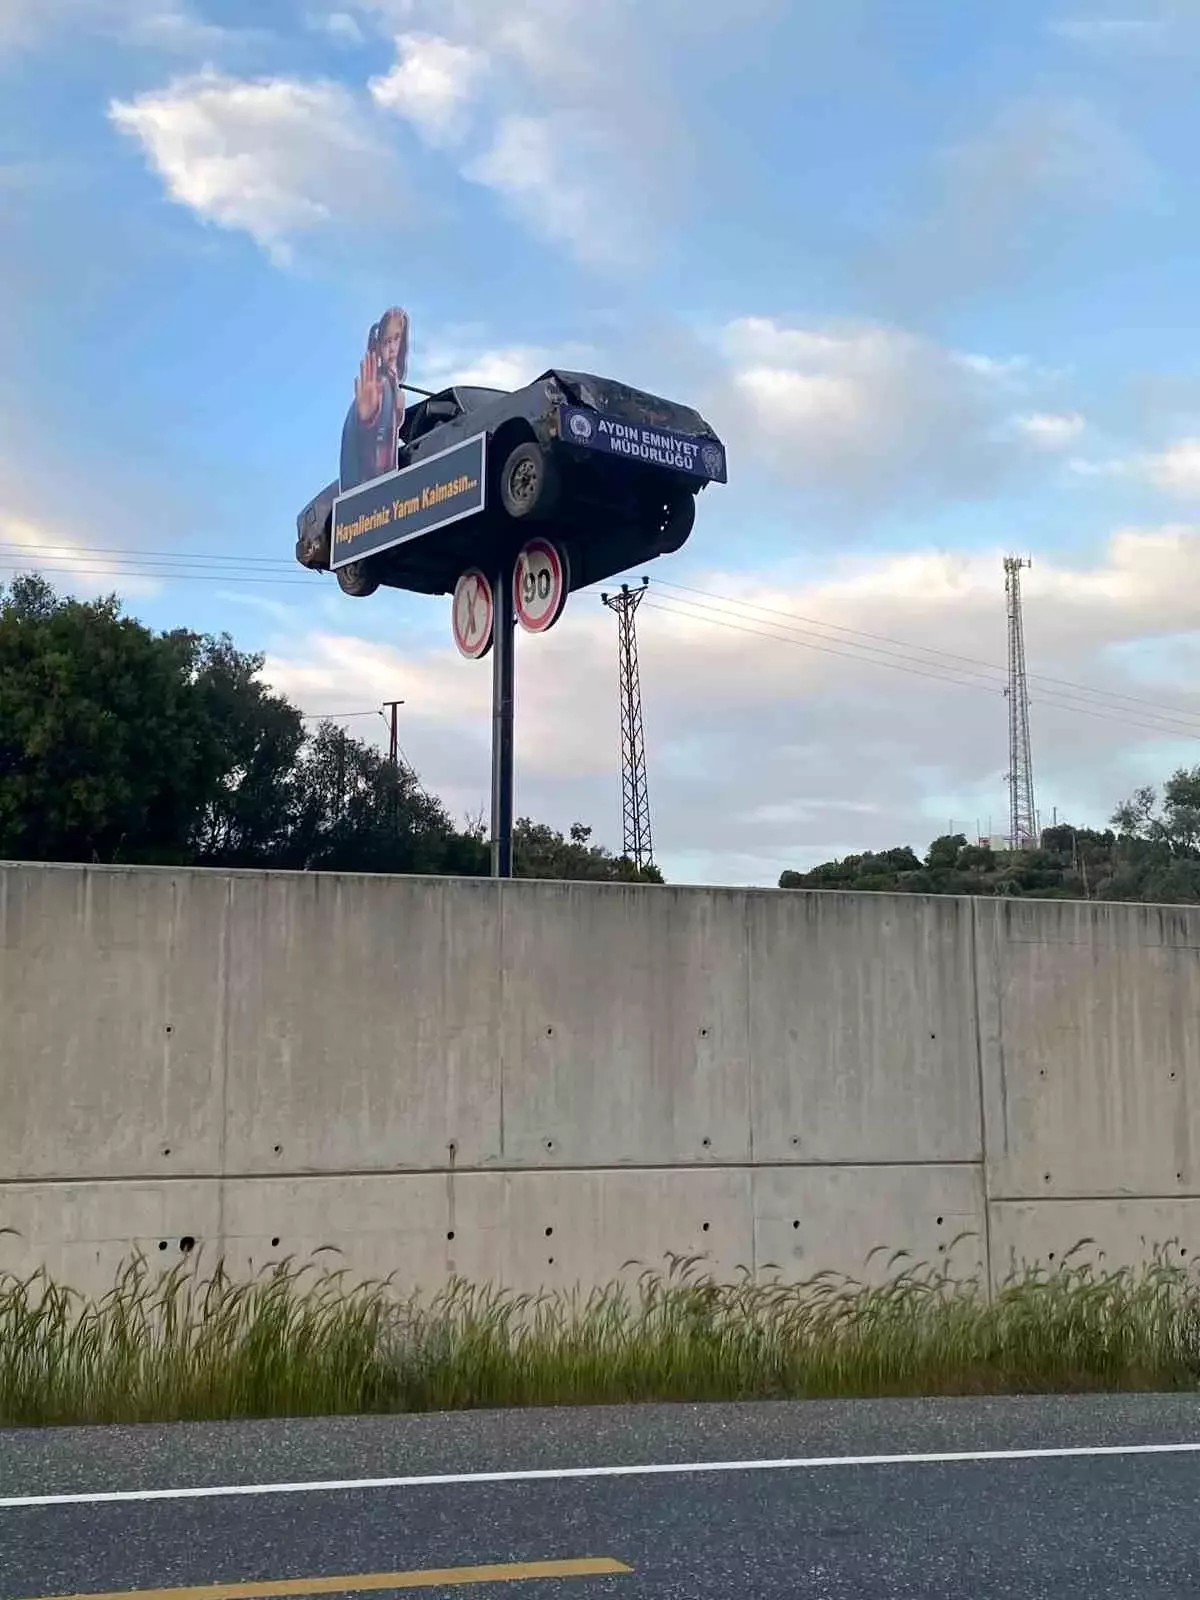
{"x": 529, "y": 484}
{"x": 356, "y": 579}
{"x": 679, "y": 518}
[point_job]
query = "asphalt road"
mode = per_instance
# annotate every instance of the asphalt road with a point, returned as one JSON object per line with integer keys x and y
{"x": 1120, "y": 1518}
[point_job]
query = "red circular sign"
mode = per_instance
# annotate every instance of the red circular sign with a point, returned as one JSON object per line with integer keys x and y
{"x": 540, "y": 582}
{"x": 471, "y": 614}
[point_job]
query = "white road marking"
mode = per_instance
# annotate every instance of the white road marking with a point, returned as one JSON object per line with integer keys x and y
{"x": 554, "y": 1474}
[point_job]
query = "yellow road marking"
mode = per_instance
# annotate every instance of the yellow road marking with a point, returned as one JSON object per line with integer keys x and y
{"x": 356, "y": 1583}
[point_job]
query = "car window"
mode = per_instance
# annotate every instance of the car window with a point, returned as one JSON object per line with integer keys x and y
{"x": 410, "y": 428}
{"x": 471, "y": 397}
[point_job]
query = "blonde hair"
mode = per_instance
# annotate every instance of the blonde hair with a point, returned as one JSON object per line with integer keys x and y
{"x": 375, "y": 338}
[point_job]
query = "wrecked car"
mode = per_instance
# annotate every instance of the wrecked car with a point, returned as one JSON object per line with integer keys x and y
{"x": 610, "y": 472}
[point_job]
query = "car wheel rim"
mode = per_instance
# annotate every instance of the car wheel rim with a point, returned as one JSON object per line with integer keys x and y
{"x": 522, "y": 482}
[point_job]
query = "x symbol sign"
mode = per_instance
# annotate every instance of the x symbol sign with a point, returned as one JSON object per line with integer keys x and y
{"x": 472, "y": 597}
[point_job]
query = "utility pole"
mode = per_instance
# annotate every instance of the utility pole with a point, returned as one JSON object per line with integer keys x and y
{"x": 391, "y": 707}
{"x": 1023, "y": 828}
{"x": 635, "y": 798}
{"x": 339, "y": 801}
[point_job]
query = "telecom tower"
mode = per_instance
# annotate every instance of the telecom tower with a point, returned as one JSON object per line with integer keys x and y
{"x": 1023, "y": 828}
{"x": 635, "y": 799}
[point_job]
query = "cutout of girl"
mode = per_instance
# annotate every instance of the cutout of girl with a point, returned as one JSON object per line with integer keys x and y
{"x": 371, "y": 431}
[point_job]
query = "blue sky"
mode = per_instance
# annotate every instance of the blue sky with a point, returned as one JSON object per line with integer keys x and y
{"x": 929, "y": 268}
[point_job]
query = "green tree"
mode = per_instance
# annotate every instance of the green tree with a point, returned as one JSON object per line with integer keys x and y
{"x": 252, "y": 740}
{"x": 100, "y": 754}
{"x": 121, "y": 744}
{"x": 1154, "y": 855}
{"x": 541, "y": 852}
{"x": 1175, "y": 824}
{"x": 357, "y": 812}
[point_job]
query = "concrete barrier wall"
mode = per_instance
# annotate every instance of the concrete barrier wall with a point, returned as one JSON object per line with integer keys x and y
{"x": 538, "y": 1083}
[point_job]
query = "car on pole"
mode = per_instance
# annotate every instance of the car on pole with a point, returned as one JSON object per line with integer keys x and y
{"x": 608, "y": 471}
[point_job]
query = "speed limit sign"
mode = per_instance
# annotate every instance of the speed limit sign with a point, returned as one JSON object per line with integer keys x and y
{"x": 540, "y": 581}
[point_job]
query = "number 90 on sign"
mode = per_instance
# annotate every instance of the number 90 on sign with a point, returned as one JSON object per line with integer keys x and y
{"x": 540, "y": 583}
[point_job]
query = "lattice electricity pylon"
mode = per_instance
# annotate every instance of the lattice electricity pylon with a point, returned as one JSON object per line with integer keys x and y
{"x": 1023, "y": 827}
{"x": 635, "y": 798}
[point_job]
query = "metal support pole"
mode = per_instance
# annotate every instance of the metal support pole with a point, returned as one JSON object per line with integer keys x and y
{"x": 504, "y": 624}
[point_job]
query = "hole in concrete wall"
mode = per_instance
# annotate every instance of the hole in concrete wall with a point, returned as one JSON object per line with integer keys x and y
{"x": 549, "y": 1261}
{"x": 1041, "y": 1072}
{"x": 275, "y": 1242}
{"x": 704, "y": 1227}
{"x": 166, "y": 1149}
{"x": 795, "y": 1224}
{"x": 1046, "y": 1177}
{"x": 549, "y": 1233}
{"x": 549, "y": 1032}
{"x": 450, "y": 1235}
{"x": 1183, "y": 1250}
{"x": 169, "y": 1028}
{"x": 162, "y": 1244}
{"x": 278, "y": 1149}
{"x": 187, "y": 1244}
{"x": 933, "y": 1035}
{"x": 940, "y": 1220}
{"x": 549, "y": 1144}
{"x": 1051, "y": 1257}
{"x": 707, "y": 1143}
{"x": 1172, "y": 1074}
{"x": 704, "y": 1033}
{"x": 795, "y": 1138}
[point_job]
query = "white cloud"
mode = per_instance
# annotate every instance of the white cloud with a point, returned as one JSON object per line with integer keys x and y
{"x": 1176, "y": 469}
{"x": 73, "y": 568}
{"x": 777, "y": 737}
{"x": 506, "y": 367}
{"x": 864, "y": 417}
{"x": 1004, "y": 202}
{"x": 546, "y": 169}
{"x": 340, "y": 26}
{"x": 273, "y": 156}
{"x": 1108, "y": 30}
{"x": 158, "y": 25}
{"x": 455, "y": 355}
{"x": 564, "y": 99}
{"x": 431, "y": 84}
{"x": 1045, "y": 151}
{"x": 1154, "y": 29}
{"x": 859, "y": 414}
{"x": 1052, "y": 430}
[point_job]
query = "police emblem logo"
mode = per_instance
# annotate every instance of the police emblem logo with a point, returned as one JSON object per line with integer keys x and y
{"x": 712, "y": 458}
{"x": 581, "y": 426}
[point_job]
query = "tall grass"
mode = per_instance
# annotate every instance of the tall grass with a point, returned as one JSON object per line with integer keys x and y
{"x": 304, "y": 1340}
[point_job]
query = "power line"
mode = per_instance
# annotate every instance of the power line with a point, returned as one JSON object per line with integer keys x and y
{"x": 226, "y": 558}
{"x": 213, "y": 568}
{"x": 336, "y": 716}
{"x": 107, "y": 569}
{"x": 693, "y": 614}
{"x": 1183, "y": 722}
{"x": 927, "y": 650}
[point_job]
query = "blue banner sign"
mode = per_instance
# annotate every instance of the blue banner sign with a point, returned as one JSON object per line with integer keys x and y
{"x": 632, "y": 441}
{"x": 403, "y": 505}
